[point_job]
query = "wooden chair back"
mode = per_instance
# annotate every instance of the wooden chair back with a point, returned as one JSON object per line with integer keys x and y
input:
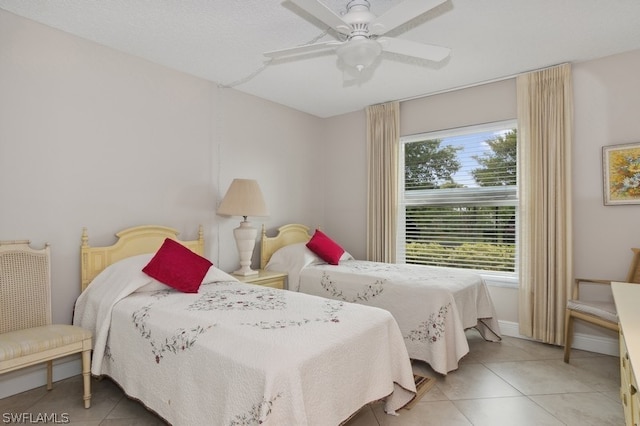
{"x": 634, "y": 270}
{"x": 25, "y": 286}
{"x": 592, "y": 312}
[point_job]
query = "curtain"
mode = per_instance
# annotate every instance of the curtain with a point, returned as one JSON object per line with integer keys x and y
{"x": 383, "y": 139}
{"x": 545, "y": 120}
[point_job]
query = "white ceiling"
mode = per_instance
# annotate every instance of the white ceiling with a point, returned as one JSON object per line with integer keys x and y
{"x": 223, "y": 41}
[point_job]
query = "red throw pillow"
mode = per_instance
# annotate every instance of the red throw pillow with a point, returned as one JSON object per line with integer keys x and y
{"x": 325, "y": 247}
{"x": 177, "y": 266}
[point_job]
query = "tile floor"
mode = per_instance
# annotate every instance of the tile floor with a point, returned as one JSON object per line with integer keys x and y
{"x": 514, "y": 382}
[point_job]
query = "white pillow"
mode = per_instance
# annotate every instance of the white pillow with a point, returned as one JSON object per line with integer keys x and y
{"x": 213, "y": 275}
{"x": 133, "y": 265}
{"x": 129, "y": 268}
{"x": 154, "y": 285}
{"x": 216, "y": 275}
{"x": 294, "y": 257}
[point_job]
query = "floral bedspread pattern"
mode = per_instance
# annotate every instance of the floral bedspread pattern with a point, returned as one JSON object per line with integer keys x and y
{"x": 181, "y": 340}
{"x": 238, "y": 354}
{"x": 433, "y": 306}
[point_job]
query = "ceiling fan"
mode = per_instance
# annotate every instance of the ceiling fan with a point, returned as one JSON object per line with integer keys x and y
{"x": 362, "y": 31}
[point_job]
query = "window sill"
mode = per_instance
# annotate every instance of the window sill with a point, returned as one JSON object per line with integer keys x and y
{"x": 500, "y": 281}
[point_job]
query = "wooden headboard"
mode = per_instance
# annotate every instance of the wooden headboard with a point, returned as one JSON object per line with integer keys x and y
{"x": 287, "y": 234}
{"x": 131, "y": 242}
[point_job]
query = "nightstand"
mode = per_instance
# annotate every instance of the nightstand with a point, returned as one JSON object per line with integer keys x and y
{"x": 265, "y": 278}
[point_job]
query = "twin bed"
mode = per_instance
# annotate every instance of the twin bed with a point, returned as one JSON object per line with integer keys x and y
{"x": 234, "y": 353}
{"x": 433, "y": 306}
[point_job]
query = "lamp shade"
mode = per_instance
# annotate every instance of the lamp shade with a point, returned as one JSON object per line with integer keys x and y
{"x": 243, "y": 198}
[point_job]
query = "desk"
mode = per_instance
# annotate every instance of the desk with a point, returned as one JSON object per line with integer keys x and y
{"x": 627, "y": 299}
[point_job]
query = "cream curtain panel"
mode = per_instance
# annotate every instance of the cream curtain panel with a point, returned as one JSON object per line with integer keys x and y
{"x": 545, "y": 121}
{"x": 383, "y": 140}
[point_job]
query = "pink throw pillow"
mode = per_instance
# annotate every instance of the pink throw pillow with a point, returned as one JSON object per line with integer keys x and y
{"x": 177, "y": 266}
{"x": 325, "y": 247}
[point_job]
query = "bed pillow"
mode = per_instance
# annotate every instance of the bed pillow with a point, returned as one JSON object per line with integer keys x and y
{"x": 124, "y": 272}
{"x": 325, "y": 247}
{"x": 292, "y": 258}
{"x": 217, "y": 275}
{"x": 177, "y": 266}
{"x": 154, "y": 285}
{"x": 213, "y": 275}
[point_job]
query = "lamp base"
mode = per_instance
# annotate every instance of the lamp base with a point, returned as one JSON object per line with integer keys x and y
{"x": 245, "y": 272}
{"x": 245, "y": 236}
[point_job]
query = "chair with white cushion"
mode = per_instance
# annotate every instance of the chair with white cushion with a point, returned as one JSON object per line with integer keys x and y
{"x": 603, "y": 314}
{"x": 27, "y": 335}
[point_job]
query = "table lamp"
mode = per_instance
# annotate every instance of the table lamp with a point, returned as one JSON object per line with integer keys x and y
{"x": 244, "y": 198}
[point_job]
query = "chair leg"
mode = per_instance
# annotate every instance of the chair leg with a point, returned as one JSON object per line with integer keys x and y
{"x": 49, "y": 375}
{"x": 86, "y": 377}
{"x": 568, "y": 336}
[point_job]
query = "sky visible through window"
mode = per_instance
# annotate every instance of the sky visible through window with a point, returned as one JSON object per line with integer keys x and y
{"x": 473, "y": 144}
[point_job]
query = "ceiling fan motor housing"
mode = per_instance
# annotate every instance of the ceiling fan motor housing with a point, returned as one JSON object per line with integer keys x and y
{"x": 358, "y": 16}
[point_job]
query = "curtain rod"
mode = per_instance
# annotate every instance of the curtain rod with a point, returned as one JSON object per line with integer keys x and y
{"x": 468, "y": 86}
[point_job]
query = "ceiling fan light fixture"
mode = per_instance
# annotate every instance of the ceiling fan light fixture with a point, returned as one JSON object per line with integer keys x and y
{"x": 359, "y": 53}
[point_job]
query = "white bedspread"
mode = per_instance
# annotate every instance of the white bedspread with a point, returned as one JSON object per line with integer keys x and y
{"x": 239, "y": 354}
{"x": 433, "y": 306}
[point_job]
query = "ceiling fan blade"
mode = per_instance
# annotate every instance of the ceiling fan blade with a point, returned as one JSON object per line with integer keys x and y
{"x": 299, "y": 50}
{"x": 398, "y": 15}
{"x": 323, "y": 13}
{"x": 411, "y": 48}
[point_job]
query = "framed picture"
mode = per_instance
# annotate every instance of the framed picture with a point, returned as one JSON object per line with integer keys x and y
{"x": 621, "y": 169}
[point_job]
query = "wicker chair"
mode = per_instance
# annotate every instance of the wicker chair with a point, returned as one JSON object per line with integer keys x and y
{"x": 27, "y": 336}
{"x": 603, "y": 314}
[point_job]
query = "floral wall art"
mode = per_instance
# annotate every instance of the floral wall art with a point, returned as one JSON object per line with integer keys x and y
{"x": 621, "y": 167}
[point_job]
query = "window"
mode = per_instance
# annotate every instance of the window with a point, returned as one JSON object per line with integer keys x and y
{"x": 459, "y": 198}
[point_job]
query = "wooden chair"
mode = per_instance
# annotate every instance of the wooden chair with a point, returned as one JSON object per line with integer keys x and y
{"x": 27, "y": 335}
{"x": 599, "y": 313}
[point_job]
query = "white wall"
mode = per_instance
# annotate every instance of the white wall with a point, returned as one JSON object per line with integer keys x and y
{"x": 90, "y": 137}
{"x": 93, "y": 137}
{"x": 345, "y": 181}
{"x": 607, "y": 103}
{"x": 607, "y": 108}
{"x": 277, "y": 146}
{"x": 475, "y": 105}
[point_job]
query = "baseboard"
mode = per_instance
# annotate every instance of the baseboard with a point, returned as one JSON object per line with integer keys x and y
{"x": 29, "y": 378}
{"x": 586, "y": 342}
